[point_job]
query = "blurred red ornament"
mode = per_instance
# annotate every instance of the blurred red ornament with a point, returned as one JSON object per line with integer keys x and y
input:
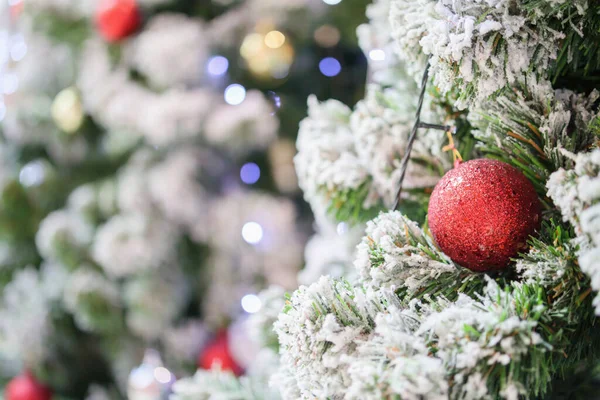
{"x": 16, "y": 8}
{"x": 26, "y": 387}
{"x": 117, "y": 19}
{"x": 218, "y": 352}
{"x": 482, "y": 212}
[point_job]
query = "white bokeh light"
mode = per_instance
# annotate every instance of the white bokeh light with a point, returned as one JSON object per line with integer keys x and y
{"x": 251, "y": 303}
{"x": 332, "y": 2}
{"x": 252, "y": 232}
{"x": 162, "y": 375}
{"x": 235, "y": 94}
{"x": 18, "y": 49}
{"x": 342, "y": 228}
{"x": 377, "y": 55}
{"x": 32, "y": 174}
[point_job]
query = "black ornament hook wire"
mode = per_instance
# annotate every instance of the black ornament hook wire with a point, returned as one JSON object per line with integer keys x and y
{"x": 413, "y": 135}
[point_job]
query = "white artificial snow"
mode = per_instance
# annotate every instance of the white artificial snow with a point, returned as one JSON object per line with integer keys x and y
{"x": 463, "y": 49}
{"x": 340, "y": 151}
{"x": 134, "y": 242}
{"x": 326, "y": 158}
{"x": 93, "y": 300}
{"x": 154, "y": 300}
{"x": 62, "y": 230}
{"x": 403, "y": 265}
{"x": 577, "y": 195}
{"x": 167, "y": 37}
{"x": 241, "y": 128}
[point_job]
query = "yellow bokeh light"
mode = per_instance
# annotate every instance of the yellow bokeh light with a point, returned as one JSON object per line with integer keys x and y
{"x": 274, "y": 39}
{"x": 252, "y": 45}
{"x": 67, "y": 110}
{"x": 267, "y": 55}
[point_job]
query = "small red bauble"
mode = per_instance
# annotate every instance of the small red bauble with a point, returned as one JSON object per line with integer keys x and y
{"x": 217, "y": 352}
{"x": 482, "y": 213}
{"x": 117, "y": 19}
{"x": 26, "y": 387}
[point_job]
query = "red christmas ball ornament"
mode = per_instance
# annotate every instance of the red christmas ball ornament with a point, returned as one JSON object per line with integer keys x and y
{"x": 26, "y": 387}
{"x": 117, "y": 19}
{"x": 217, "y": 352}
{"x": 482, "y": 212}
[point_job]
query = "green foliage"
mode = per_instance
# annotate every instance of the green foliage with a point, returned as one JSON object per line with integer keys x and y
{"x": 349, "y": 205}
{"x": 520, "y": 130}
{"x": 579, "y": 54}
{"x": 73, "y": 32}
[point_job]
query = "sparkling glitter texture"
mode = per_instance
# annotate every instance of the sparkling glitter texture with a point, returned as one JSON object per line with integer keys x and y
{"x": 482, "y": 212}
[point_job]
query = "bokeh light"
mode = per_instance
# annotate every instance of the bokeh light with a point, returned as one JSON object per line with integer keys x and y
{"x": 251, "y": 303}
{"x": 235, "y": 94}
{"x": 332, "y": 2}
{"x": 162, "y": 375}
{"x": 267, "y": 55}
{"x": 377, "y": 55}
{"x": 18, "y": 48}
{"x": 275, "y": 101}
{"x": 32, "y": 174}
{"x": 217, "y": 65}
{"x": 250, "y": 173}
{"x": 252, "y": 232}
{"x": 327, "y": 36}
{"x": 274, "y": 39}
{"x": 330, "y": 67}
{"x": 67, "y": 110}
{"x": 252, "y": 45}
{"x": 342, "y": 228}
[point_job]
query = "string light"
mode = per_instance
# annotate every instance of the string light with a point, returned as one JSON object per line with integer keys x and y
{"x": 274, "y": 39}
{"x": 377, "y": 55}
{"x": 235, "y": 94}
{"x": 250, "y": 173}
{"x": 252, "y": 232}
{"x": 330, "y": 67}
{"x": 217, "y": 65}
{"x": 251, "y": 303}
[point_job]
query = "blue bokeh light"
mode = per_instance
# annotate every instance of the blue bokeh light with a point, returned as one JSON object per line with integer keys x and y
{"x": 217, "y": 65}
{"x": 250, "y": 173}
{"x": 330, "y": 67}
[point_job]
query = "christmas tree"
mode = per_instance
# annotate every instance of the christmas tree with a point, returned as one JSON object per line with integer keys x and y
{"x": 473, "y": 159}
{"x": 147, "y": 188}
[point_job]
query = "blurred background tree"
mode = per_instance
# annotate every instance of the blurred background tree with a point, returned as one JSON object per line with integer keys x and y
{"x": 147, "y": 190}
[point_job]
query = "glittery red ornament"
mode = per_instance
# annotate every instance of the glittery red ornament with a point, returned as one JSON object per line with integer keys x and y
{"x": 26, "y": 387}
{"x": 117, "y": 19}
{"x": 482, "y": 212}
{"x": 217, "y": 352}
